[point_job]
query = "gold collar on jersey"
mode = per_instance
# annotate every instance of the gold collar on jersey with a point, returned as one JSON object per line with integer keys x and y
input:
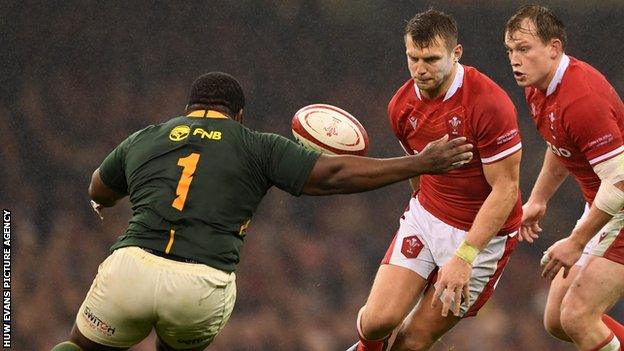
{"x": 207, "y": 114}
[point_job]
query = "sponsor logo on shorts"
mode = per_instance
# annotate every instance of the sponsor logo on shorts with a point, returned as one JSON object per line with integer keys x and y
{"x": 97, "y": 324}
{"x": 602, "y": 236}
{"x": 194, "y": 341}
{"x": 411, "y": 246}
{"x": 413, "y": 120}
{"x": 179, "y": 133}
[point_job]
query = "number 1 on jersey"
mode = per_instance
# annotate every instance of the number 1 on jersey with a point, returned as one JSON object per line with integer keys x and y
{"x": 188, "y": 164}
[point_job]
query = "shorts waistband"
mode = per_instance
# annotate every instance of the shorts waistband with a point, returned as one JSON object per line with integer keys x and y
{"x": 169, "y": 256}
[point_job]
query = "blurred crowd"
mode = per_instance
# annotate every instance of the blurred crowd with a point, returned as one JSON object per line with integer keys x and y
{"x": 78, "y": 77}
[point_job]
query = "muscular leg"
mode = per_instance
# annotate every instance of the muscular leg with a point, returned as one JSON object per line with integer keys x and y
{"x": 392, "y": 296}
{"x": 424, "y": 326}
{"x": 598, "y": 286}
{"x": 558, "y": 288}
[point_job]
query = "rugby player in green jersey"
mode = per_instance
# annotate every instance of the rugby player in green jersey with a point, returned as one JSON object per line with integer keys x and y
{"x": 194, "y": 183}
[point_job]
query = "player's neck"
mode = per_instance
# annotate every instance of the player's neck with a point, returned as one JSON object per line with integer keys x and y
{"x": 543, "y": 84}
{"x": 440, "y": 91}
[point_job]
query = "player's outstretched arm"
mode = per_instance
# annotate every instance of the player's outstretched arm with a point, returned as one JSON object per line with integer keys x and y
{"x": 101, "y": 193}
{"x": 345, "y": 174}
{"x": 551, "y": 176}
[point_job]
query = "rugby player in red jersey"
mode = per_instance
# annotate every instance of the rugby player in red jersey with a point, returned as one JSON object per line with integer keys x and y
{"x": 459, "y": 229}
{"x": 581, "y": 117}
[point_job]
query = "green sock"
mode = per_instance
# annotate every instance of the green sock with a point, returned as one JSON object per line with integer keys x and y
{"x": 66, "y": 346}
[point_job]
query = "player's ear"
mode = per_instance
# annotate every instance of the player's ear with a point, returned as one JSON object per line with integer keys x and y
{"x": 556, "y": 48}
{"x": 239, "y": 116}
{"x": 458, "y": 50}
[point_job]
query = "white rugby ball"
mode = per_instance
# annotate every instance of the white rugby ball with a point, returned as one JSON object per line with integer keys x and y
{"x": 329, "y": 129}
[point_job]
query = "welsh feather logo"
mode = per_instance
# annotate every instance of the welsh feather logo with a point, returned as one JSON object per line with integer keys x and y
{"x": 331, "y": 129}
{"x": 455, "y": 123}
{"x": 179, "y": 133}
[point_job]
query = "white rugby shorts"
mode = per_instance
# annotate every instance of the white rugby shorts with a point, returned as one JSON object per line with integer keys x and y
{"x": 424, "y": 243}
{"x": 607, "y": 243}
{"x": 590, "y": 245}
{"x": 134, "y": 291}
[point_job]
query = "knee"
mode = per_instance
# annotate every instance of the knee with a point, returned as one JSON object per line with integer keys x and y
{"x": 576, "y": 318}
{"x": 552, "y": 324}
{"x": 377, "y": 325}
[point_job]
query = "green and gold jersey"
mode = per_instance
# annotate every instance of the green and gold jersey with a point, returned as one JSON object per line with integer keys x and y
{"x": 195, "y": 181}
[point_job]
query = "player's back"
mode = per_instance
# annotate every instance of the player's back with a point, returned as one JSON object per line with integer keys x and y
{"x": 194, "y": 184}
{"x": 476, "y": 108}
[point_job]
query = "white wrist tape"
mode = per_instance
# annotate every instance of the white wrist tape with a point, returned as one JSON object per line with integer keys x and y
{"x": 610, "y": 198}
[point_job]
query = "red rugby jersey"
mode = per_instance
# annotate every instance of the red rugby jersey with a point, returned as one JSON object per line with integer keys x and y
{"x": 581, "y": 117}
{"x": 474, "y": 107}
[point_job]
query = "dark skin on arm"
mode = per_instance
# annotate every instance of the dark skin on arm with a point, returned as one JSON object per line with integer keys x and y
{"x": 345, "y": 174}
{"x": 350, "y": 174}
{"x": 101, "y": 193}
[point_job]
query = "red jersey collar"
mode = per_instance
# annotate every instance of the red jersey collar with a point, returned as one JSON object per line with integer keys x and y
{"x": 563, "y": 65}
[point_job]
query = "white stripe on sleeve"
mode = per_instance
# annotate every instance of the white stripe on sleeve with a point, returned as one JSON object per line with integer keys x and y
{"x": 609, "y": 154}
{"x": 502, "y": 154}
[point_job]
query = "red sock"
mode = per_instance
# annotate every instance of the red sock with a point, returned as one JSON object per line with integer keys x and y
{"x": 611, "y": 343}
{"x": 372, "y": 345}
{"x": 615, "y": 327}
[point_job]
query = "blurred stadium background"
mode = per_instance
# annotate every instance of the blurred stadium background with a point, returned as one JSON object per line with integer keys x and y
{"x": 78, "y": 77}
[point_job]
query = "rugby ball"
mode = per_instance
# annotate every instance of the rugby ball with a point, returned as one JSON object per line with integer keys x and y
{"x": 329, "y": 129}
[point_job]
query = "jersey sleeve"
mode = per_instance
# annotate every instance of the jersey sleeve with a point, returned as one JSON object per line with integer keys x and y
{"x": 496, "y": 128}
{"x": 113, "y": 168}
{"x": 394, "y": 120}
{"x": 286, "y": 164}
{"x": 592, "y": 126}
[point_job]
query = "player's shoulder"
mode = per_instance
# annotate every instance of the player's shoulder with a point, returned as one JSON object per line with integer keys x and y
{"x": 581, "y": 83}
{"x": 254, "y": 140}
{"x": 404, "y": 94}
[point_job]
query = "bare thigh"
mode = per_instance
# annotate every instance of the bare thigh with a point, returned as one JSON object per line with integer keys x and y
{"x": 423, "y": 326}
{"x": 394, "y": 293}
{"x": 597, "y": 287}
{"x": 552, "y": 312}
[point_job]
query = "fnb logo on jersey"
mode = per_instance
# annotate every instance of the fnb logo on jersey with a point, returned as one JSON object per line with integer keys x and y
{"x": 179, "y": 133}
{"x": 96, "y": 323}
{"x": 559, "y": 151}
{"x": 411, "y": 246}
{"x": 213, "y": 134}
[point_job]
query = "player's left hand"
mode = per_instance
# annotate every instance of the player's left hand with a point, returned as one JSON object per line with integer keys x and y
{"x": 564, "y": 253}
{"x": 451, "y": 285}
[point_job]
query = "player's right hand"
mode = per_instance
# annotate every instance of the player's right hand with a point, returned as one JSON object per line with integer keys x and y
{"x": 442, "y": 155}
{"x": 532, "y": 213}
